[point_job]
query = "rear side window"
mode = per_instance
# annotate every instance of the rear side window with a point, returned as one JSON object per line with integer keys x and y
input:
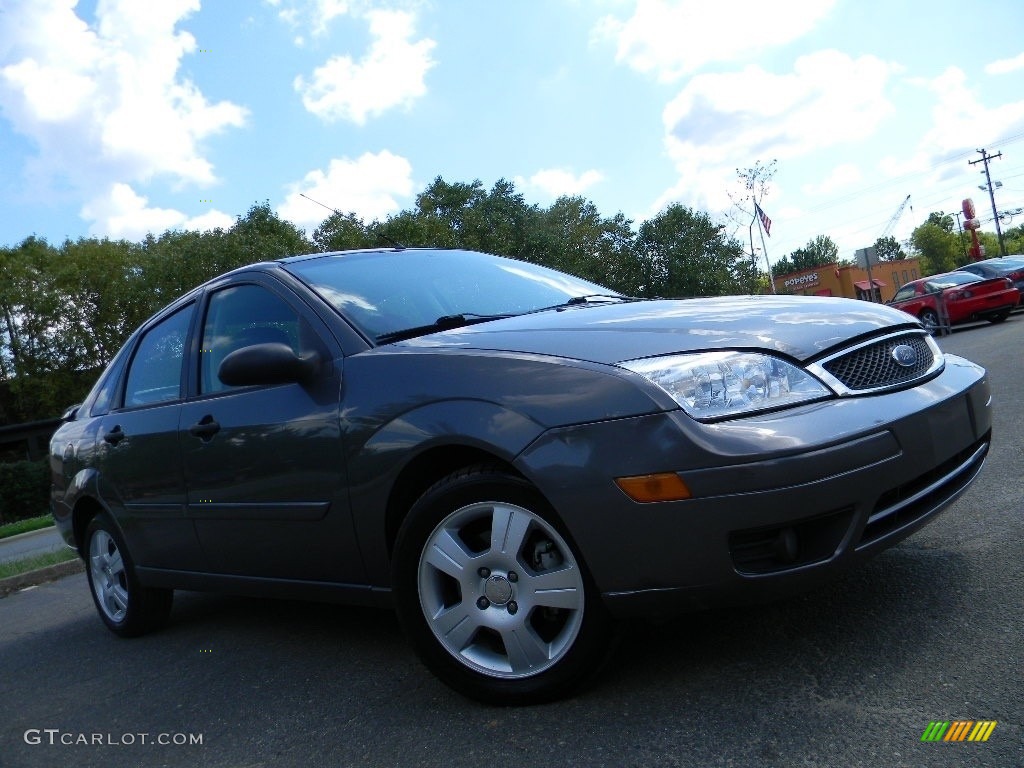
{"x": 154, "y": 375}
{"x": 101, "y": 398}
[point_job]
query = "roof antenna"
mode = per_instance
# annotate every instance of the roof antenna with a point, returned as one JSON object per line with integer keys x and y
{"x": 377, "y": 230}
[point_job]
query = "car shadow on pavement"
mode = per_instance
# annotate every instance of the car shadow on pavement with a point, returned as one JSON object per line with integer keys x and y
{"x": 871, "y": 622}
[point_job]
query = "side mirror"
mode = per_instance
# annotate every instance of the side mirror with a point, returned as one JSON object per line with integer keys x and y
{"x": 271, "y": 363}
{"x": 70, "y": 412}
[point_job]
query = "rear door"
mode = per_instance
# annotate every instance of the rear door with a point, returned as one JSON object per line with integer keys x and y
{"x": 137, "y": 453}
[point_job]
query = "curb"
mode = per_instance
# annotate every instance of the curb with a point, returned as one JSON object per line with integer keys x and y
{"x": 40, "y": 576}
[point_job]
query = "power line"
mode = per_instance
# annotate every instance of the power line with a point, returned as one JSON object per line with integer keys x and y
{"x": 935, "y": 194}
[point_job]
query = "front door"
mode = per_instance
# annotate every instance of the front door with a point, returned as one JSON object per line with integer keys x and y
{"x": 263, "y": 465}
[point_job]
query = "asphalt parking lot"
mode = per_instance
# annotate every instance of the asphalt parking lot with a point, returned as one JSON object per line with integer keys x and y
{"x": 850, "y": 675}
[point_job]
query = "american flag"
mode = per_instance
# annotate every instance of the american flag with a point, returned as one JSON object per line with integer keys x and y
{"x": 765, "y": 221}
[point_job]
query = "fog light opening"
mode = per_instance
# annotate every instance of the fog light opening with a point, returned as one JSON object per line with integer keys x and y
{"x": 786, "y": 548}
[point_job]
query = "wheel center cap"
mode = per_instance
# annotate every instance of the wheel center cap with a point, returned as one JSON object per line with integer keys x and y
{"x": 498, "y": 590}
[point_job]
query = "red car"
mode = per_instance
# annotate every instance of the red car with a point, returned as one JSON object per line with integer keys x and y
{"x": 964, "y": 295}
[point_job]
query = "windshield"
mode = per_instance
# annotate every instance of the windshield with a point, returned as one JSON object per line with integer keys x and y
{"x": 385, "y": 292}
{"x": 1007, "y": 264}
{"x": 951, "y": 279}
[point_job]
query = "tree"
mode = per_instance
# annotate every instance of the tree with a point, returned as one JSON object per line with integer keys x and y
{"x": 683, "y": 253}
{"x": 755, "y": 183}
{"x": 573, "y": 236}
{"x": 937, "y": 246}
{"x": 1013, "y": 239}
{"x": 261, "y": 236}
{"x": 889, "y": 249}
{"x": 819, "y": 252}
{"x": 59, "y": 317}
{"x": 460, "y": 215}
{"x": 342, "y": 232}
{"x": 942, "y": 220}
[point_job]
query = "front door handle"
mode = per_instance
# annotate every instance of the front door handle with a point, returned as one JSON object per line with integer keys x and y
{"x": 205, "y": 428}
{"x": 115, "y": 436}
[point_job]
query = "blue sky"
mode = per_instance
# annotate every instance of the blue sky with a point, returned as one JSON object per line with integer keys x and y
{"x": 121, "y": 117}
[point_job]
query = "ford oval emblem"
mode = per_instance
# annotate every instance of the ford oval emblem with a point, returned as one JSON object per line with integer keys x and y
{"x": 904, "y": 355}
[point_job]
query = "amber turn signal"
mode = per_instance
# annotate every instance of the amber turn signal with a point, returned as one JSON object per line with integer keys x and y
{"x": 664, "y": 486}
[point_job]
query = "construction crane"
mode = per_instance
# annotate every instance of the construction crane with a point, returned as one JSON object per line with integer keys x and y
{"x": 896, "y": 217}
{"x": 868, "y": 256}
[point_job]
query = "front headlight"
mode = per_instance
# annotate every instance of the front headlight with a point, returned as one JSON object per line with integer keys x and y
{"x": 715, "y": 385}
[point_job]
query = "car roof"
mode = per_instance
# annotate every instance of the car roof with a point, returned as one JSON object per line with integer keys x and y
{"x": 997, "y": 261}
{"x": 354, "y": 251}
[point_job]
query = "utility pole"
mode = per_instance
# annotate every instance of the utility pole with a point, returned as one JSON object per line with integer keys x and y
{"x": 985, "y": 157}
{"x": 961, "y": 230}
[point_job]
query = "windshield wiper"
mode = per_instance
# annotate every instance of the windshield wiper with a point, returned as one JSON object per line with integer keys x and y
{"x": 443, "y": 323}
{"x": 576, "y": 301}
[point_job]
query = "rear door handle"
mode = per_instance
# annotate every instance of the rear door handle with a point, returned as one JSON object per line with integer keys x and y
{"x": 205, "y": 428}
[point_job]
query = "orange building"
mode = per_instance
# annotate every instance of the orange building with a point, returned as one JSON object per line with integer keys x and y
{"x": 851, "y": 282}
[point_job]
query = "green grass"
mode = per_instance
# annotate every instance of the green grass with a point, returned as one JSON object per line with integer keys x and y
{"x": 24, "y": 526}
{"x": 18, "y": 567}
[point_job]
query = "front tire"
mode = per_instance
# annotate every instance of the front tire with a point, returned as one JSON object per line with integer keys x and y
{"x": 125, "y": 606}
{"x": 492, "y": 595}
{"x": 930, "y": 320}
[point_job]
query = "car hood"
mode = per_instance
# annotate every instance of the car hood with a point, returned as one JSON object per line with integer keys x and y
{"x": 800, "y": 327}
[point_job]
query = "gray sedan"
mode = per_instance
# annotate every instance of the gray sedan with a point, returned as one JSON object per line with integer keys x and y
{"x": 516, "y": 460}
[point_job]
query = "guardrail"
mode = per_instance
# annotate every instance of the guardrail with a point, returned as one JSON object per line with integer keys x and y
{"x": 31, "y": 439}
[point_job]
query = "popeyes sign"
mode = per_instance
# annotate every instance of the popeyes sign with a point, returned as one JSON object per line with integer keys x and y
{"x": 804, "y": 281}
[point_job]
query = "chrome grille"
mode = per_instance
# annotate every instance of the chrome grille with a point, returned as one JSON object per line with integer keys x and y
{"x": 872, "y": 366}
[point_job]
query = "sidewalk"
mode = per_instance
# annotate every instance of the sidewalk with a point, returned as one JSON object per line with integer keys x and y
{"x": 30, "y": 544}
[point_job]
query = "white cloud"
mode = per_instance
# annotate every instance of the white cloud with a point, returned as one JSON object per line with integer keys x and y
{"x": 390, "y": 75}
{"x": 212, "y": 219}
{"x": 555, "y": 182}
{"x": 314, "y": 15}
{"x": 960, "y": 121}
{"x": 671, "y": 38}
{"x": 843, "y": 176}
{"x": 105, "y": 103}
{"x": 959, "y": 124}
{"x": 1005, "y": 66}
{"x": 120, "y": 212}
{"x": 720, "y": 121}
{"x": 369, "y": 186}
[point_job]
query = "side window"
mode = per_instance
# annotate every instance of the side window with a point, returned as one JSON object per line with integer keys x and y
{"x": 238, "y": 317}
{"x": 103, "y": 393}
{"x": 904, "y": 293}
{"x": 154, "y": 375}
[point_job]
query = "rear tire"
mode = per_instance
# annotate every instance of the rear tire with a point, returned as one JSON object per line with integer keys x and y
{"x": 999, "y": 317}
{"x": 125, "y": 606}
{"x": 494, "y": 598}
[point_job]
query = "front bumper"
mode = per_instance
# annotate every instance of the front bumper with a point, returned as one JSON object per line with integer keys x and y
{"x": 781, "y": 502}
